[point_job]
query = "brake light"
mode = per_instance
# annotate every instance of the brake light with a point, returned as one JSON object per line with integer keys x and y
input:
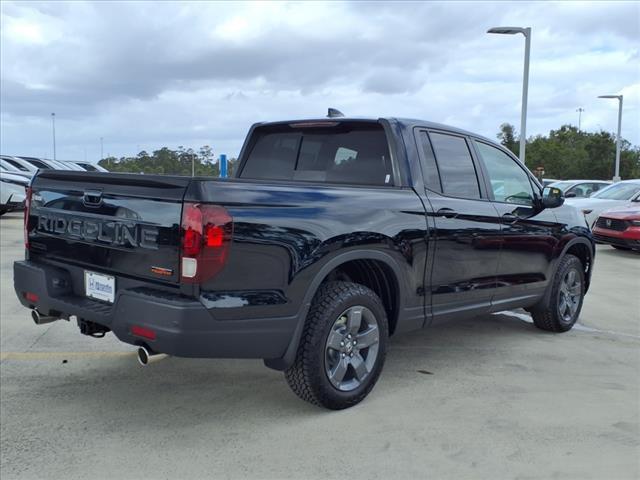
{"x": 27, "y": 212}
{"x": 207, "y": 231}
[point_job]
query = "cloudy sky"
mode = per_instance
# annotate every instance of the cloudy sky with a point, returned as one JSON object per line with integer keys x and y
{"x": 144, "y": 75}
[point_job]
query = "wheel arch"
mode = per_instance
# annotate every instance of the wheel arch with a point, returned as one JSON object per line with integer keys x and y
{"x": 585, "y": 251}
{"x": 374, "y": 269}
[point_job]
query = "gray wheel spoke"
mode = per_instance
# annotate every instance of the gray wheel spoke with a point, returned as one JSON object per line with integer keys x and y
{"x": 563, "y": 305}
{"x": 368, "y": 337}
{"x": 359, "y": 366}
{"x": 338, "y": 372}
{"x": 575, "y": 289}
{"x": 350, "y": 355}
{"x": 354, "y": 320}
{"x": 573, "y": 305}
{"x": 334, "y": 340}
{"x": 571, "y": 277}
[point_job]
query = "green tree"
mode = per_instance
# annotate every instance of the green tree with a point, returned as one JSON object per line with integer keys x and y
{"x": 569, "y": 153}
{"x": 166, "y": 161}
{"x": 507, "y": 137}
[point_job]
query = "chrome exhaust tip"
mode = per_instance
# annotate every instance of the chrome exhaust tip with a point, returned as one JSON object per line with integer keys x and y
{"x": 40, "y": 319}
{"x": 147, "y": 356}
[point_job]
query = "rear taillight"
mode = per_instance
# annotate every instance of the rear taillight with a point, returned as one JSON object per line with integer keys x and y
{"x": 207, "y": 231}
{"x": 27, "y": 212}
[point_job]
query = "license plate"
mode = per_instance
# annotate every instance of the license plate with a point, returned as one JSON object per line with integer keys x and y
{"x": 99, "y": 286}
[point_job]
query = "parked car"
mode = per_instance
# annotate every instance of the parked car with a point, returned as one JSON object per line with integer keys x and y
{"x": 335, "y": 234}
{"x": 47, "y": 164}
{"x": 12, "y": 191}
{"x": 88, "y": 166}
{"x": 18, "y": 164}
{"x": 7, "y": 167}
{"x": 580, "y": 188}
{"x": 615, "y": 195}
{"x": 620, "y": 227}
{"x": 548, "y": 181}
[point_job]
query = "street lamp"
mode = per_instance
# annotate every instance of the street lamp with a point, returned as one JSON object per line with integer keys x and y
{"x": 579, "y": 110}
{"x": 525, "y": 80}
{"x": 616, "y": 177}
{"x": 53, "y": 125}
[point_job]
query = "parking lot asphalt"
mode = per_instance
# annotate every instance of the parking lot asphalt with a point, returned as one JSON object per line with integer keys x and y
{"x": 490, "y": 398}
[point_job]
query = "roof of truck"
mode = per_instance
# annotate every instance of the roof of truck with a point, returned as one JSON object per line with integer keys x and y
{"x": 405, "y": 122}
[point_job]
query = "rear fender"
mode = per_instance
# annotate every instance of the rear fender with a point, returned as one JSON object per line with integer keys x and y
{"x": 289, "y": 357}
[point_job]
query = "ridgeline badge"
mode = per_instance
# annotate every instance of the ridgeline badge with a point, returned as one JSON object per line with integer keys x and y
{"x": 123, "y": 234}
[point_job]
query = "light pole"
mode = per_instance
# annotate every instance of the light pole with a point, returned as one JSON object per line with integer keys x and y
{"x": 53, "y": 125}
{"x": 525, "y": 79}
{"x": 101, "y": 148}
{"x": 579, "y": 110}
{"x": 616, "y": 177}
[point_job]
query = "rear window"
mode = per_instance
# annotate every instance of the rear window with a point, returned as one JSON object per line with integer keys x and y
{"x": 352, "y": 153}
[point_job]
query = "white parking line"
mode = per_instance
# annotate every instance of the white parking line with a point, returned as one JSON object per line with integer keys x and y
{"x": 579, "y": 327}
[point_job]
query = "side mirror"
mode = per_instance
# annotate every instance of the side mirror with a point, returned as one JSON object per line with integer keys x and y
{"x": 552, "y": 197}
{"x": 570, "y": 195}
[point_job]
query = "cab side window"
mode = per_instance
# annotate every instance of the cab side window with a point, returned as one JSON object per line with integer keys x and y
{"x": 509, "y": 181}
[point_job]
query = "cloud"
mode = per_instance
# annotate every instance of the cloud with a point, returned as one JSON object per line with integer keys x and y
{"x": 145, "y": 75}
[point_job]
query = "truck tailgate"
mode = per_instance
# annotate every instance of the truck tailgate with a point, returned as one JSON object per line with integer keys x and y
{"x": 108, "y": 222}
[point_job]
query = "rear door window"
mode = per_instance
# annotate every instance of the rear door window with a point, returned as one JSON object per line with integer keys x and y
{"x": 350, "y": 153}
{"x": 430, "y": 173}
{"x": 455, "y": 165}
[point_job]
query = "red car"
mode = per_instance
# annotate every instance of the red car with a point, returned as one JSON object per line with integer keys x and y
{"x": 619, "y": 227}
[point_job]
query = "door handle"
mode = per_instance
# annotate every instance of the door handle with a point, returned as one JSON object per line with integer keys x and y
{"x": 447, "y": 213}
{"x": 510, "y": 218}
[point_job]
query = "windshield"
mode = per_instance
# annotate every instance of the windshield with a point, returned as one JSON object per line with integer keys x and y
{"x": 20, "y": 167}
{"x": 619, "y": 191}
{"x": 37, "y": 163}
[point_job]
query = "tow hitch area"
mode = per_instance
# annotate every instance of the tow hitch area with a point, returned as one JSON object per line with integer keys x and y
{"x": 92, "y": 329}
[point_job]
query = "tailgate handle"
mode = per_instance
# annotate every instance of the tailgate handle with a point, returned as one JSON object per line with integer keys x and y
{"x": 92, "y": 198}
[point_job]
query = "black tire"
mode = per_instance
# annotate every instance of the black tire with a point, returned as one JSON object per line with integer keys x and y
{"x": 554, "y": 315}
{"x": 309, "y": 376}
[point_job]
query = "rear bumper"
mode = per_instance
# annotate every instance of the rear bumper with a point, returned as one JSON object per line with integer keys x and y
{"x": 183, "y": 326}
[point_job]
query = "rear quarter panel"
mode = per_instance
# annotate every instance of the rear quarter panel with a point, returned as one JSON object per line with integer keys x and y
{"x": 285, "y": 234}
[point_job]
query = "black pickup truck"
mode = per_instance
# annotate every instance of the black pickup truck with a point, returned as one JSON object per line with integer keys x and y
{"x": 335, "y": 234}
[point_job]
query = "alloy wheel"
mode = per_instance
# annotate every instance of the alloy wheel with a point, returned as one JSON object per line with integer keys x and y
{"x": 352, "y": 347}
{"x": 569, "y": 295}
